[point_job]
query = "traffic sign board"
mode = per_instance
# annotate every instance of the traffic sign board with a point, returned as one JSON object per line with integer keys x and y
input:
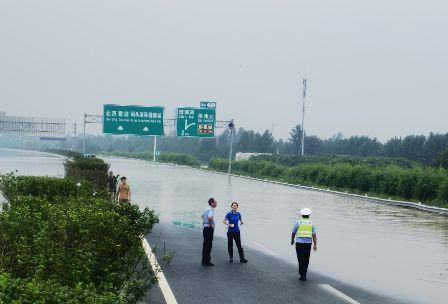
{"x": 199, "y": 122}
{"x": 137, "y": 120}
{"x": 208, "y": 104}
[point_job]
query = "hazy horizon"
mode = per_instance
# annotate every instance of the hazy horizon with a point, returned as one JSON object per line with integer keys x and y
{"x": 375, "y": 69}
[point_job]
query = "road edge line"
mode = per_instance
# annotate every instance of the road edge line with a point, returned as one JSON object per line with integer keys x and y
{"x": 337, "y": 293}
{"x": 163, "y": 283}
{"x": 265, "y": 249}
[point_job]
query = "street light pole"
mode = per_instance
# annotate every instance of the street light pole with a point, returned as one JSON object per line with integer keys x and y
{"x": 303, "y": 116}
{"x": 84, "y": 134}
{"x": 232, "y": 129}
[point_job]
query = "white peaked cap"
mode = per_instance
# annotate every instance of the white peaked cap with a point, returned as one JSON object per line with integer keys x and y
{"x": 305, "y": 211}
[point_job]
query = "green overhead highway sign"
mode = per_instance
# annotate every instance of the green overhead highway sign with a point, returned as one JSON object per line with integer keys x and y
{"x": 198, "y": 122}
{"x": 208, "y": 104}
{"x": 137, "y": 120}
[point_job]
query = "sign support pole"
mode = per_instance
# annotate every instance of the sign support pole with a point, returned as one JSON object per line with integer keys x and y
{"x": 155, "y": 149}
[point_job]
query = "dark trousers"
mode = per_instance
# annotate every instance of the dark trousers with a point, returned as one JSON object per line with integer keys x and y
{"x": 303, "y": 257}
{"x": 207, "y": 233}
{"x": 234, "y": 236}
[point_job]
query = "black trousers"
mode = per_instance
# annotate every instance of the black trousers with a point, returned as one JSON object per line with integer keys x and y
{"x": 237, "y": 237}
{"x": 207, "y": 233}
{"x": 303, "y": 257}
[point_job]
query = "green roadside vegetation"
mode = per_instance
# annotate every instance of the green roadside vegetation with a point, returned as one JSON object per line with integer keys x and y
{"x": 371, "y": 161}
{"x": 64, "y": 240}
{"x": 164, "y": 157}
{"x": 415, "y": 183}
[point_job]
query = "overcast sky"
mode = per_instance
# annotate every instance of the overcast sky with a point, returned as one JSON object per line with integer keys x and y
{"x": 375, "y": 68}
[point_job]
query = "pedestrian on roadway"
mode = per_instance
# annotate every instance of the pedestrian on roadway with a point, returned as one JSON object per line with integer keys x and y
{"x": 304, "y": 235}
{"x": 124, "y": 191}
{"x": 233, "y": 220}
{"x": 208, "y": 223}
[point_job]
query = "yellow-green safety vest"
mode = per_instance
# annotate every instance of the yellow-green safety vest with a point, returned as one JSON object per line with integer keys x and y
{"x": 305, "y": 229}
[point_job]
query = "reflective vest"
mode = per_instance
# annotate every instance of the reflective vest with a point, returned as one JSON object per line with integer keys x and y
{"x": 305, "y": 229}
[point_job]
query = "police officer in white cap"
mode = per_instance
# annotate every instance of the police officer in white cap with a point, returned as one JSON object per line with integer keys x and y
{"x": 304, "y": 235}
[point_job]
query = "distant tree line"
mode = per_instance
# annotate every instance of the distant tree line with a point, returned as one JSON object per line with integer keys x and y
{"x": 420, "y": 148}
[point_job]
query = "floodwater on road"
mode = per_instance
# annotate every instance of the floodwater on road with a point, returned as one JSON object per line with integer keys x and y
{"x": 388, "y": 250}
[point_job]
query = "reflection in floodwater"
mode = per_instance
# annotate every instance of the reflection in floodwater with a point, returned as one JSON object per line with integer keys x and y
{"x": 389, "y": 250}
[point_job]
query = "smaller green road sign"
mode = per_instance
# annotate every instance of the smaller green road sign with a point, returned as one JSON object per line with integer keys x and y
{"x": 137, "y": 120}
{"x": 198, "y": 122}
{"x": 208, "y": 104}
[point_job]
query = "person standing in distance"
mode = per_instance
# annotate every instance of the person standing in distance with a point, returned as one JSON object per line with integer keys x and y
{"x": 304, "y": 235}
{"x": 232, "y": 220}
{"x": 124, "y": 191}
{"x": 209, "y": 227}
{"x": 112, "y": 182}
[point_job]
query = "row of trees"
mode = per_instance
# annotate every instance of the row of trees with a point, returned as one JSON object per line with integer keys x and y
{"x": 420, "y": 148}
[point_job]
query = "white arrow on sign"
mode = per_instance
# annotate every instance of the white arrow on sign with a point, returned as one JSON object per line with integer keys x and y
{"x": 120, "y": 128}
{"x": 188, "y": 125}
{"x": 145, "y": 129}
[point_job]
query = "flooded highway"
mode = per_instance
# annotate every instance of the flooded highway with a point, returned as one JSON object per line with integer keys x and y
{"x": 388, "y": 250}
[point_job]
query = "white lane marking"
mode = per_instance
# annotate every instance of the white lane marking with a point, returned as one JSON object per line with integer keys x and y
{"x": 267, "y": 250}
{"x": 338, "y": 293}
{"x": 163, "y": 283}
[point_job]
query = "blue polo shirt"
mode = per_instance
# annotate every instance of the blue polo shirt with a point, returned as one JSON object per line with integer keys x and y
{"x": 233, "y": 218}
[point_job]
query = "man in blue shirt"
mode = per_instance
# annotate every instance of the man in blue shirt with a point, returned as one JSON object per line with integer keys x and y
{"x": 304, "y": 235}
{"x": 232, "y": 220}
{"x": 209, "y": 227}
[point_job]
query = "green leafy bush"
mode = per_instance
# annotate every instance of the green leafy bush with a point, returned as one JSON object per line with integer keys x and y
{"x": 32, "y": 291}
{"x": 51, "y": 188}
{"x": 90, "y": 169}
{"x": 55, "y": 234}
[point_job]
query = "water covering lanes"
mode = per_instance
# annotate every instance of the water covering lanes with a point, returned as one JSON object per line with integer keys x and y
{"x": 388, "y": 250}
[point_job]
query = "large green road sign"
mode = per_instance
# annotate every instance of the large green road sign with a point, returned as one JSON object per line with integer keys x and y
{"x": 208, "y": 104}
{"x": 135, "y": 120}
{"x": 196, "y": 122}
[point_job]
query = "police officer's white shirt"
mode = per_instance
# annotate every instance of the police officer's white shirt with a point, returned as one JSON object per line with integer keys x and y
{"x": 207, "y": 222}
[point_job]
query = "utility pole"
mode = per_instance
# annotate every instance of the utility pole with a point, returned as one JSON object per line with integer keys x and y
{"x": 232, "y": 130}
{"x": 303, "y": 116}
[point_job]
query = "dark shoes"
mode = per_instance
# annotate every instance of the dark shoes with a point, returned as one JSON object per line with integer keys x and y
{"x": 208, "y": 264}
{"x": 243, "y": 260}
{"x": 231, "y": 261}
{"x": 302, "y": 279}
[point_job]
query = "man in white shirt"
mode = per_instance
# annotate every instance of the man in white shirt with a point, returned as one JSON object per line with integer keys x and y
{"x": 209, "y": 227}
